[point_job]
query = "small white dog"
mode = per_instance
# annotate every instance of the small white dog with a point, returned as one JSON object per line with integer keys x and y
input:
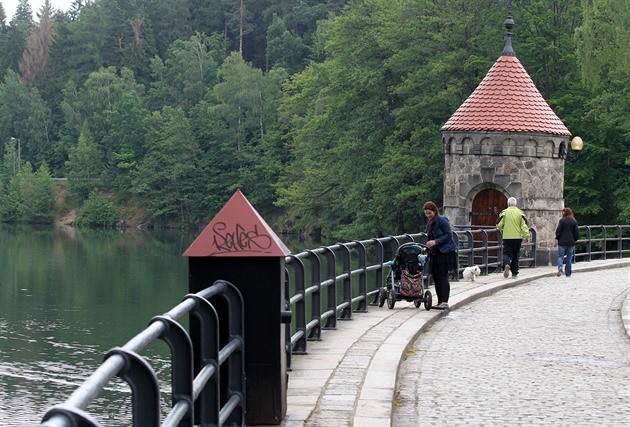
{"x": 471, "y": 273}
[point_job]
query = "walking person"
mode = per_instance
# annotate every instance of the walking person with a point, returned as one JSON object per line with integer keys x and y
{"x": 513, "y": 225}
{"x": 566, "y": 235}
{"x": 443, "y": 251}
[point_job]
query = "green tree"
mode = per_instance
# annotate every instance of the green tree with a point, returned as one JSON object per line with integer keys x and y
{"x": 545, "y": 42}
{"x": 102, "y": 93}
{"x": 169, "y": 21}
{"x": 75, "y": 8}
{"x": 25, "y": 116}
{"x": 283, "y": 48}
{"x": 124, "y": 143}
{"x": 237, "y": 123}
{"x": 31, "y": 196}
{"x": 14, "y": 40}
{"x": 98, "y": 211}
{"x": 90, "y": 42}
{"x": 363, "y": 125}
{"x": 167, "y": 178}
{"x": 189, "y": 70}
{"x": 3, "y": 39}
{"x": 601, "y": 119}
{"x": 84, "y": 166}
{"x": 340, "y": 118}
{"x": 11, "y": 160}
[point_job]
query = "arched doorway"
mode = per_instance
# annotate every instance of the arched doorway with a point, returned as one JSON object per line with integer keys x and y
{"x": 485, "y": 210}
{"x": 486, "y": 207}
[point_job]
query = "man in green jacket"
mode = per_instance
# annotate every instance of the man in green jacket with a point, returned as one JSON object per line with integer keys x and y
{"x": 513, "y": 225}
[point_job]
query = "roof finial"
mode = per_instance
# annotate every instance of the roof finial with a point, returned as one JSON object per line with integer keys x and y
{"x": 509, "y": 24}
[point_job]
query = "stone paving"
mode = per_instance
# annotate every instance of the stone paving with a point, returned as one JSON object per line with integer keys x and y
{"x": 550, "y": 352}
{"x": 351, "y": 377}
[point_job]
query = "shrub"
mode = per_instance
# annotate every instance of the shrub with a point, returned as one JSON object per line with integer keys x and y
{"x": 99, "y": 211}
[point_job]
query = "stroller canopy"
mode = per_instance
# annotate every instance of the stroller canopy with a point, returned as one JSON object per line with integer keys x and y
{"x": 407, "y": 257}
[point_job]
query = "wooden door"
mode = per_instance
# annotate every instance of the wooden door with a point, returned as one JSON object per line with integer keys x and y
{"x": 486, "y": 207}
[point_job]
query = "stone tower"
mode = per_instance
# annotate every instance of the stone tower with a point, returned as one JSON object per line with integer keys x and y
{"x": 505, "y": 141}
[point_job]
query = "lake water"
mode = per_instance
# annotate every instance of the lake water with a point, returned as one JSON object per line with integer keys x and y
{"x": 67, "y": 296}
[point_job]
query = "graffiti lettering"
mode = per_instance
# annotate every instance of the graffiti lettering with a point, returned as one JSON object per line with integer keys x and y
{"x": 239, "y": 239}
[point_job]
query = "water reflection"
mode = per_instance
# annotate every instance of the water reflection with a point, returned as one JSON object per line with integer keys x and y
{"x": 66, "y": 298}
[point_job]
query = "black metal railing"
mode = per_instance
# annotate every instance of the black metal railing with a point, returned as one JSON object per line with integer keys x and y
{"x": 602, "y": 242}
{"x": 220, "y": 398}
{"x": 322, "y": 286}
{"x": 483, "y": 246}
{"x": 330, "y": 283}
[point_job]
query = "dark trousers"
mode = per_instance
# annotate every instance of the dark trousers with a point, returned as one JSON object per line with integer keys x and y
{"x": 511, "y": 253}
{"x": 440, "y": 264}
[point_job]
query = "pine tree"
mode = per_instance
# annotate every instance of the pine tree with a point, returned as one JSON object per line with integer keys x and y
{"x": 84, "y": 165}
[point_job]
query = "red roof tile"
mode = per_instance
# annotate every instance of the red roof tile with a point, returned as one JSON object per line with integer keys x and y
{"x": 506, "y": 100}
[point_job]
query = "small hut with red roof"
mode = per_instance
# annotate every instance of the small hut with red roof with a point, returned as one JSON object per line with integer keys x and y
{"x": 505, "y": 141}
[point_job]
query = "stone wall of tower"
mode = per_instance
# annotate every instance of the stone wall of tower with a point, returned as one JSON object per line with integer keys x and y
{"x": 525, "y": 166}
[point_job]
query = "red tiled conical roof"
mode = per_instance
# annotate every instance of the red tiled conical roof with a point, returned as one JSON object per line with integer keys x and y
{"x": 506, "y": 100}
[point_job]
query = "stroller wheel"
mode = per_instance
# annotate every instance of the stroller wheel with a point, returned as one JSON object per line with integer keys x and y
{"x": 417, "y": 302}
{"x": 381, "y": 297}
{"x": 391, "y": 299}
{"x": 428, "y": 300}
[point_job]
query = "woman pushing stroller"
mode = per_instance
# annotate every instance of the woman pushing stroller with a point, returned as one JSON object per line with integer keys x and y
{"x": 443, "y": 251}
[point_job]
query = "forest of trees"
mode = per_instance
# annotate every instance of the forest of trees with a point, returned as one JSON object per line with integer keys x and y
{"x": 326, "y": 113}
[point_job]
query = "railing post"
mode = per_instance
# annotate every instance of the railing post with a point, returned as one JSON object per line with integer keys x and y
{"x": 182, "y": 364}
{"x": 331, "y": 292}
{"x": 362, "y": 307}
{"x": 300, "y": 305}
{"x": 239, "y": 246}
{"x": 534, "y": 244}
{"x": 604, "y": 240}
{"x": 145, "y": 391}
{"x": 316, "y": 297}
{"x": 500, "y": 251}
{"x": 485, "y": 254}
{"x": 619, "y": 241}
{"x": 470, "y": 241}
{"x": 208, "y": 403}
{"x": 380, "y": 260}
{"x": 288, "y": 347}
{"x": 456, "y": 269}
{"x": 346, "y": 313}
{"x": 589, "y": 245}
{"x": 237, "y": 364}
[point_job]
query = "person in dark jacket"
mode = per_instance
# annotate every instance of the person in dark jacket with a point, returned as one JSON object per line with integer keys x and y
{"x": 566, "y": 235}
{"x": 443, "y": 251}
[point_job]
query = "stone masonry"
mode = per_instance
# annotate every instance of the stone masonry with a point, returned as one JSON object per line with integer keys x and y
{"x": 526, "y": 166}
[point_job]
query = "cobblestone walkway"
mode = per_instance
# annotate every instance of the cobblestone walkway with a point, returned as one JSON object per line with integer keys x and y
{"x": 552, "y": 352}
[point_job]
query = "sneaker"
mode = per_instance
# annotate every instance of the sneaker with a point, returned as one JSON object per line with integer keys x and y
{"x": 559, "y": 273}
{"x": 506, "y": 271}
{"x": 514, "y": 276}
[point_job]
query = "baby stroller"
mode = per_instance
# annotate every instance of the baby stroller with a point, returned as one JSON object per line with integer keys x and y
{"x": 408, "y": 278}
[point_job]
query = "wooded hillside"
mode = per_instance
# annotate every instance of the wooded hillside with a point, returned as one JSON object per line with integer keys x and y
{"x": 326, "y": 113}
